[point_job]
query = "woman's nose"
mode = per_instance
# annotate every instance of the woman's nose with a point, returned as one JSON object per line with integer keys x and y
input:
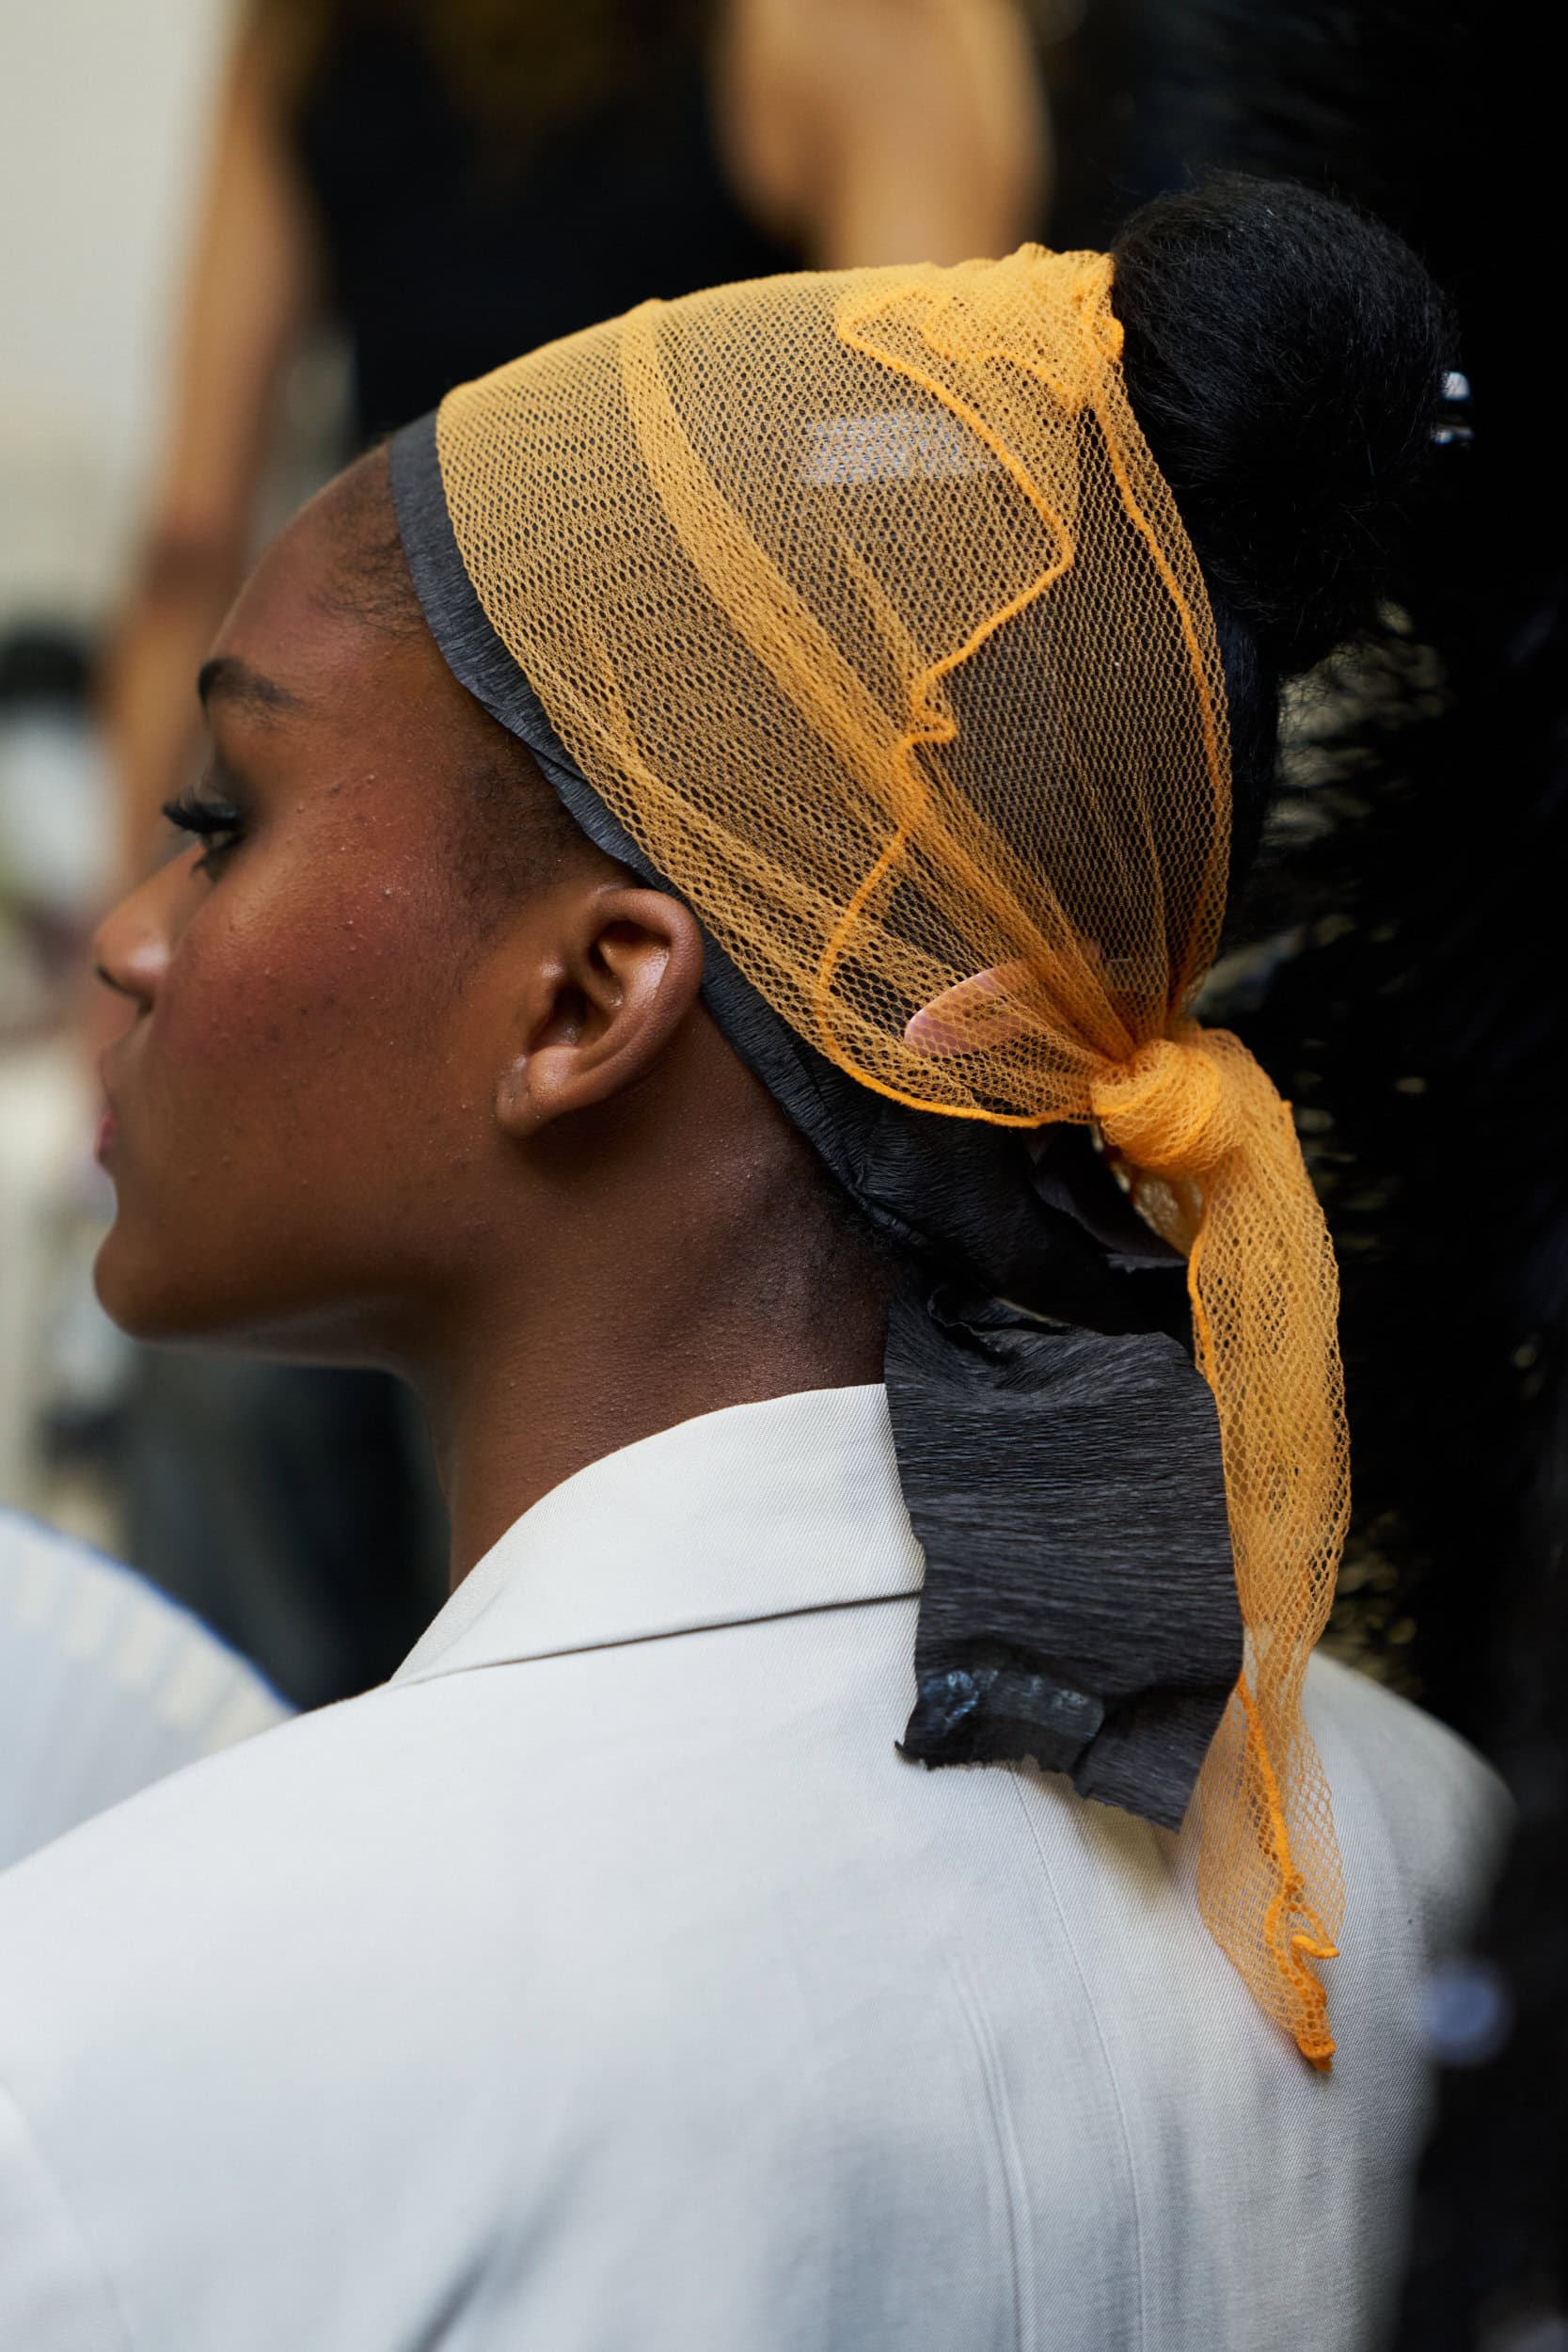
{"x": 131, "y": 950}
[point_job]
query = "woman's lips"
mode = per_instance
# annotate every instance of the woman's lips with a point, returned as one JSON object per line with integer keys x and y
{"x": 108, "y": 1118}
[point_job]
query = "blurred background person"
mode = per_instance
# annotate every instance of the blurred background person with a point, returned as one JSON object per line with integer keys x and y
{"x": 105, "y": 1686}
{"x": 446, "y": 182}
{"x": 449, "y": 181}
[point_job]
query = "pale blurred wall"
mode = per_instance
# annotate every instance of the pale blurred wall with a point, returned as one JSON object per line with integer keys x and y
{"x": 103, "y": 108}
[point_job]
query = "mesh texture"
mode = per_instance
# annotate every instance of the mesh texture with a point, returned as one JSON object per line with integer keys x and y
{"x": 860, "y": 601}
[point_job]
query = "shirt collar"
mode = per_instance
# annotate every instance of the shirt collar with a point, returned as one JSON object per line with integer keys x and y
{"x": 754, "y": 1512}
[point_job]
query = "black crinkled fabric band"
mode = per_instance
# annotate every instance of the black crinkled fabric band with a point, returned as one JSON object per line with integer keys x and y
{"x": 1057, "y": 1448}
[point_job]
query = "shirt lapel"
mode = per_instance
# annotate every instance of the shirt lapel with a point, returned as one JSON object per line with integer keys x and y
{"x": 758, "y": 1511}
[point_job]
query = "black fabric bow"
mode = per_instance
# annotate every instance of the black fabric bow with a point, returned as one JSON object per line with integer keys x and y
{"x": 1063, "y": 1486}
{"x": 1057, "y": 1449}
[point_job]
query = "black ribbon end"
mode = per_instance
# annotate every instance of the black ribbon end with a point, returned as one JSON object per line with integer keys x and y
{"x": 989, "y": 1713}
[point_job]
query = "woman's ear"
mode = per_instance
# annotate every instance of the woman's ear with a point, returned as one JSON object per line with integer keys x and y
{"x": 624, "y": 969}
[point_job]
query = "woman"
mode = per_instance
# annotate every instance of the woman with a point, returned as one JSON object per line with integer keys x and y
{"x": 694, "y": 839}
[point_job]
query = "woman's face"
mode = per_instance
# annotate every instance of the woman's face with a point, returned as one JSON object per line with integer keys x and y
{"x": 299, "y": 1126}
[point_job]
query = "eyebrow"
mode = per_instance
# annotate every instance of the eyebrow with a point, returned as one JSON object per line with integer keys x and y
{"x": 229, "y": 678}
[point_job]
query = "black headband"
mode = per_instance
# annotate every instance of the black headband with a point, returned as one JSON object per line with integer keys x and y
{"x": 1057, "y": 1449}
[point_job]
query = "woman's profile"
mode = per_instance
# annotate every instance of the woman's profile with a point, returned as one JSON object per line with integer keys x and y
{"x": 688, "y": 954}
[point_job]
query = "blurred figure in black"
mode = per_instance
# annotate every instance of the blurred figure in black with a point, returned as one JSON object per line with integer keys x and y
{"x": 573, "y": 159}
{"x": 1396, "y": 971}
{"x": 574, "y": 156}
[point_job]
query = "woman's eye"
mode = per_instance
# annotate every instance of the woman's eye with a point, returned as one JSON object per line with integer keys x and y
{"x": 216, "y": 823}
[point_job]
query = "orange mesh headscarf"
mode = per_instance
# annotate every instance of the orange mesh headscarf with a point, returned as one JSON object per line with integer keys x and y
{"x": 780, "y": 560}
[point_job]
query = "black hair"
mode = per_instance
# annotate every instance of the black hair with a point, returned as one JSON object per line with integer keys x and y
{"x": 1285, "y": 356}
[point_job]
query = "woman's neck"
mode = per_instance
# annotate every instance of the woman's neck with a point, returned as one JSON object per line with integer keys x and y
{"x": 581, "y": 1368}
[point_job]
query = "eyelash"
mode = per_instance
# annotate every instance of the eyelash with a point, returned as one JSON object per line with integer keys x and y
{"x": 215, "y": 822}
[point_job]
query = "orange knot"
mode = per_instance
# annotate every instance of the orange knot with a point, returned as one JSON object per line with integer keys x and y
{"x": 1165, "y": 1109}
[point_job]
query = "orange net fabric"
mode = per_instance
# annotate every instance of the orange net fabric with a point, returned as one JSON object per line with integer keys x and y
{"x": 862, "y": 603}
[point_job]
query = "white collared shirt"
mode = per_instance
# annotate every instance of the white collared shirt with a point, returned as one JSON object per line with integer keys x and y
{"x": 105, "y": 1685}
{"x": 606, "y": 1983}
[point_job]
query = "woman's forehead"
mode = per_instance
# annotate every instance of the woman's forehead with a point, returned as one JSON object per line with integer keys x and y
{"x": 309, "y": 636}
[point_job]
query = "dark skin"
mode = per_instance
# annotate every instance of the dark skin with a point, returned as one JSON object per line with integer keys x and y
{"x": 367, "y": 1109}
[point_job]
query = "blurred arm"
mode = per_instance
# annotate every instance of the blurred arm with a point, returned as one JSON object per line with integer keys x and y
{"x": 246, "y": 299}
{"x": 873, "y": 131}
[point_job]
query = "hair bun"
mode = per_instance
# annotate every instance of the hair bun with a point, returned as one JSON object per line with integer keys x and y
{"x": 1285, "y": 356}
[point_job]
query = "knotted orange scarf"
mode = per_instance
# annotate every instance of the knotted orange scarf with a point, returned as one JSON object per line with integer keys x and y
{"x": 861, "y": 602}
{"x": 1219, "y": 1172}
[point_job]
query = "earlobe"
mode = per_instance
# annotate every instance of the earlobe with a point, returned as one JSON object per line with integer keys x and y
{"x": 626, "y": 972}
